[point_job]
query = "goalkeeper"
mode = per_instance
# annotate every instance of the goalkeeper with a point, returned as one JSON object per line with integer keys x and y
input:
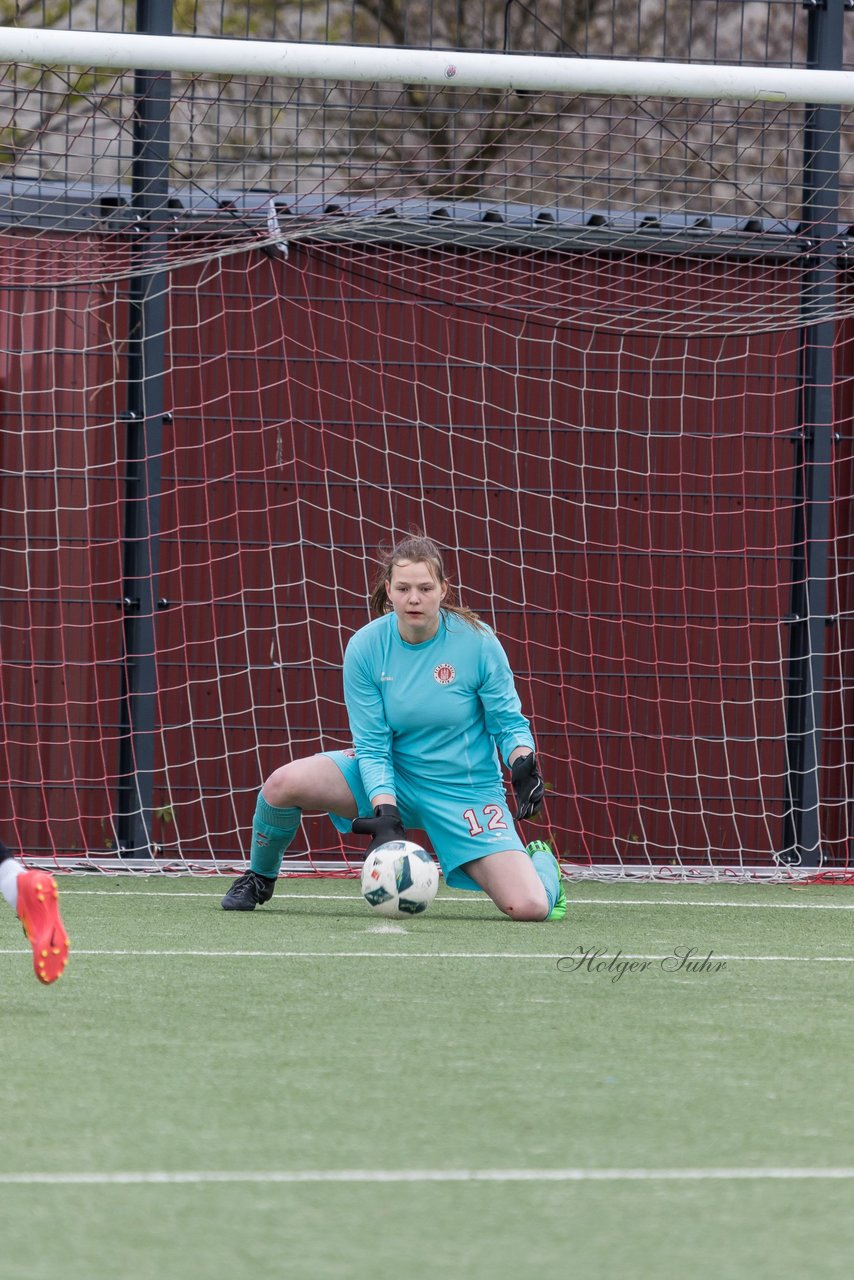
{"x": 432, "y": 704}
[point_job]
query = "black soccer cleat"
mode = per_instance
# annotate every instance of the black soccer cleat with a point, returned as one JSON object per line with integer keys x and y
{"x": 248, "y": 892}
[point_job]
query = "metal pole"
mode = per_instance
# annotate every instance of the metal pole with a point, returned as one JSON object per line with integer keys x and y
{"x": 144, "y": 435}
{"x": 537, "y": 73}
{"x": 805, "y": 704}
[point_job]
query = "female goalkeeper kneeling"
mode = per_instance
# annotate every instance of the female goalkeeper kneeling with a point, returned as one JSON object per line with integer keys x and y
{"x": 431, "y": 702}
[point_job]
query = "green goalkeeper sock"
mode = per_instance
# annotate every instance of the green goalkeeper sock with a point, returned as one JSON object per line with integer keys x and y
{"x": 272, "y": 831}
{"x": 548, "y": 869}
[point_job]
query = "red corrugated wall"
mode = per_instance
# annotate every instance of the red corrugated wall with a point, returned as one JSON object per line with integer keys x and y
{"x": 618, "y": 504}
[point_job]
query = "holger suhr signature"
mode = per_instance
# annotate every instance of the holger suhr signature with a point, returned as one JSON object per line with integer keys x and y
{"x": 615, "y": 965}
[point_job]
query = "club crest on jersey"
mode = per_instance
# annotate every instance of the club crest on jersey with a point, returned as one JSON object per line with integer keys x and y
{"x": 444, "y": 673}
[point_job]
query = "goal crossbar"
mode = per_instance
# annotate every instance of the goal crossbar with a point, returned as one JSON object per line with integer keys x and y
{"x": 526, "y": 72}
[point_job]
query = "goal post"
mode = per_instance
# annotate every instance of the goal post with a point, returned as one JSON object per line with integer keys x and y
{"x": 465, "y": 69}
{"x": 590, "y": 324}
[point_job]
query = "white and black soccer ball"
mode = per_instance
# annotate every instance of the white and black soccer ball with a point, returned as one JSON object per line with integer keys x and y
{"x": 399, "y": 878}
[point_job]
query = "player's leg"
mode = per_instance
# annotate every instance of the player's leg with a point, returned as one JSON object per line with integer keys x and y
{"x": 510, "y": 879}
{"x": 10, "y": 870}
{"x": 478, "y": 846}
{"x": 315, "y": 783}
{"x": 35, "y": 898}
{"x": 504, "y": 878}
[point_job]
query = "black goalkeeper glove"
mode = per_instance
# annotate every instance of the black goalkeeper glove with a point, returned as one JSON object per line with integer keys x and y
{"x": 385, "y": 825}
{"x": 528, "y": 786}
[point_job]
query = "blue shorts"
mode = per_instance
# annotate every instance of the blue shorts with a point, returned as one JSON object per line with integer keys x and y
{"x": 471, "y": 824}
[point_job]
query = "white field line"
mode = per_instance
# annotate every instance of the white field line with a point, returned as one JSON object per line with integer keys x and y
{"x": 367, "y": 1176}
{"x": 472, "y": 899}
{"x": 435, "y": 955}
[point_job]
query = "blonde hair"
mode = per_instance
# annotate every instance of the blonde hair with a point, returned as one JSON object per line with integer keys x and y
{"x": 416, "y": 548}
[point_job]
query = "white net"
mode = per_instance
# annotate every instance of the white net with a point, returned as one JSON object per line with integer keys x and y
{"x": 570, "y": 338}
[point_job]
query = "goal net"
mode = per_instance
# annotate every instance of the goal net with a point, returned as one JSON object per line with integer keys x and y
{"x": 599, "y": 347}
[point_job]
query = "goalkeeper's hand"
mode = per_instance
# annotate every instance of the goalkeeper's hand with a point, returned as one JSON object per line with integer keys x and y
{"x": 385, "y": 825}
{"x": 528, "y": 786}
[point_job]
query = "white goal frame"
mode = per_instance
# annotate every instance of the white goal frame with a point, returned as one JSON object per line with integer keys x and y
{"x": 506, "y": 71}
{"x": 573, "y": 80}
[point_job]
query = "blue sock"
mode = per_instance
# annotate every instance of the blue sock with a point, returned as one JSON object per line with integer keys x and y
{"x": 272, "y": 831}
{"x": 546, "y": 868}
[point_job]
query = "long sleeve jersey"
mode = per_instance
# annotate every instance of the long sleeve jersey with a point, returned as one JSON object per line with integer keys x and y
{"x": 440, "y": 711}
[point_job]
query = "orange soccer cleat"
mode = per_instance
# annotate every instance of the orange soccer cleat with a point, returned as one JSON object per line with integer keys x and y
{"x": 38, "y": 909}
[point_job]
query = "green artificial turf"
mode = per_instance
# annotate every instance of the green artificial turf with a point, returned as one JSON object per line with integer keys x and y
{"x": 307, "y": 1040}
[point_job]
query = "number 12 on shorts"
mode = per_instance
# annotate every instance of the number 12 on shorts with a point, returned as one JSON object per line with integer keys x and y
{"x": 493, "y": 816}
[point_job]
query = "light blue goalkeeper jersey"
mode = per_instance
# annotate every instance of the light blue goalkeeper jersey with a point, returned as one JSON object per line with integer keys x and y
{"x": 435, "y": 714}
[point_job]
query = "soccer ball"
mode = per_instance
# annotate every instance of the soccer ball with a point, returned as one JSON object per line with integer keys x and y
{"x": 399, "y": 879}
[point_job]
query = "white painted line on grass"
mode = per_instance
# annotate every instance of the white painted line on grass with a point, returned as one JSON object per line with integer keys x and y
{"x": 473, "y": 900}
{"x": 324, "y": 955}
{"x": 355, "y": 897}
{"x": 689, "y": 902}
{"x": 127, "y": 1177}
{"x": 433, "y": 955}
